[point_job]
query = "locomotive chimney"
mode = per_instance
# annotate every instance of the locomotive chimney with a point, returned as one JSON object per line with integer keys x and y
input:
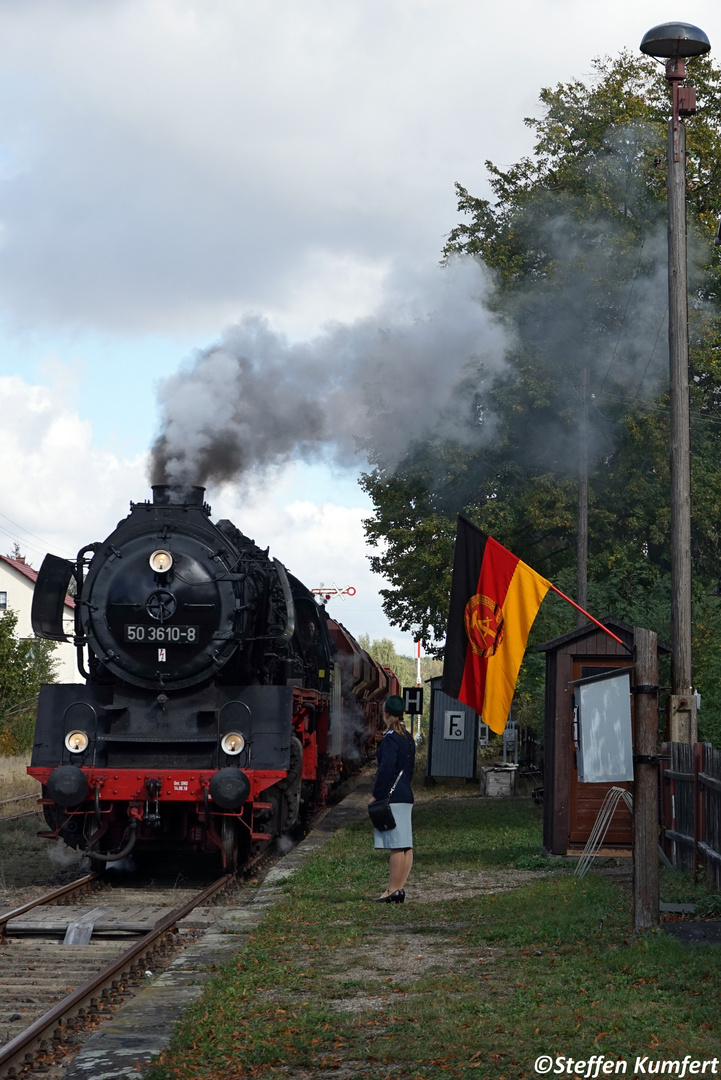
{"x": 177, "y": 495}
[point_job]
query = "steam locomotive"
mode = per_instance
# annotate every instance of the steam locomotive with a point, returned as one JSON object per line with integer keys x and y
{"x": 220, "y": 701}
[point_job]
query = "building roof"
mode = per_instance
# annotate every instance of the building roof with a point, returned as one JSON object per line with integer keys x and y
{"x": 32, "y": 575}
{"x": 624, "y": 629}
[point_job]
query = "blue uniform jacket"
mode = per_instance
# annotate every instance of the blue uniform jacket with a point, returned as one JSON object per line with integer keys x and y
{"x": 395, "y": 752}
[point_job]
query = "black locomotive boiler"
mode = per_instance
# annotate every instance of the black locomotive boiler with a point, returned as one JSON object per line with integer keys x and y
{"x": 220, "y": 701}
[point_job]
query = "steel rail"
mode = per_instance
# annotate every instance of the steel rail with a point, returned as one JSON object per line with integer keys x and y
{"x": 15, "y": 799}
{"x": 18, "y": 817}
{"x": 17, "y": 1053}
{"x": 18, "y": 798}
{"x": 47, "y": 898}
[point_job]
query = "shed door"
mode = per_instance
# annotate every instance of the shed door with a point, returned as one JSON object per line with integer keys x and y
{"x": 586, "y": 799}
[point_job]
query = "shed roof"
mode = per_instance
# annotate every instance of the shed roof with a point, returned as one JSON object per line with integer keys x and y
{"x": 621, "y": 629}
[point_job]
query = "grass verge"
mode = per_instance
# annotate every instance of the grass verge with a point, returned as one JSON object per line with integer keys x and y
{"x": 25, "y": 859}
{"x": 494, "y": 960}
{"x": 14, "y": 779}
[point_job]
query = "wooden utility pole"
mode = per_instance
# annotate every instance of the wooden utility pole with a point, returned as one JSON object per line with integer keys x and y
{"x": 582, "y": 526}
{"x": 677, "y": 42}
{"x": 645, "y": 771}
{"x": 682, "y": 717}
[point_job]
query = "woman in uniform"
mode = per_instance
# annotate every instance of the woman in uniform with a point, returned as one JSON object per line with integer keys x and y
{"x": 396, "y": 755}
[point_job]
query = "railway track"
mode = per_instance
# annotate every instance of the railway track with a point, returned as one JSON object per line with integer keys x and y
{"x": 18, "y": 817}
{"x": 8, "y": 804}
{"x": 51, "y": 991}
{"x": 68, "y": 956}
{"x": 18, "y": 798}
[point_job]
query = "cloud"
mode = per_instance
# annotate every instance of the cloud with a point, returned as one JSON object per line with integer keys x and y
{"x": 57, "y": 490}
{"x": 169, "y": 165}
{"x": 161, "y": 150}
{"x": 321, "y": 543}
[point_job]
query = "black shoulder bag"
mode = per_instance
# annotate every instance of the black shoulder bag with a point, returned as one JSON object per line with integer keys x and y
{"x": 380, "y": 811}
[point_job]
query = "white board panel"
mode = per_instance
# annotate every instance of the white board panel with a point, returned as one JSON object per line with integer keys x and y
{"x": 605, "y": 752}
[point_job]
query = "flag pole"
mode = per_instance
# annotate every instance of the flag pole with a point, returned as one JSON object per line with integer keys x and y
{"x": 578, "y": 607}
{"x": 590, "y": 617}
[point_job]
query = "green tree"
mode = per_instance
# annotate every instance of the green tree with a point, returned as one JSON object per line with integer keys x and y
{"x": 576, "y": 238}
{"x": 25, "y": 664}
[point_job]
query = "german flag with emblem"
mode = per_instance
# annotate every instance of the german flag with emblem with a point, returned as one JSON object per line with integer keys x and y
{"x": 494, "y": 599}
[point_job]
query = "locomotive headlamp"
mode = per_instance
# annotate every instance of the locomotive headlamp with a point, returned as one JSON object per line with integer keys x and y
{"x": 161, "y": 561}
{"x": 76, "y": 742}
{"x": 232, "y": 743}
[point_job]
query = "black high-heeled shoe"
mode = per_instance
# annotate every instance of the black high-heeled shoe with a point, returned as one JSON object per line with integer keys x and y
{"x": 396, "y": 897}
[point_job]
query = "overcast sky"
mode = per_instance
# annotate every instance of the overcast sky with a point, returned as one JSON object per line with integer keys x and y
{"x": 169, "y": 167}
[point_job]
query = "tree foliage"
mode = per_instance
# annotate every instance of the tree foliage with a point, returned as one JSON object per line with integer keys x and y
{"x": 575, "y": 235}
{"x": 25, "y": 664}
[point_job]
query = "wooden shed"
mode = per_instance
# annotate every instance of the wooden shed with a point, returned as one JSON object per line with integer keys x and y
{"x": 571, "y": 806}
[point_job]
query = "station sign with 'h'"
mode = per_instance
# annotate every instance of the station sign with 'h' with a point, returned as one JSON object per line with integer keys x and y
{"x": 413, "y": 700}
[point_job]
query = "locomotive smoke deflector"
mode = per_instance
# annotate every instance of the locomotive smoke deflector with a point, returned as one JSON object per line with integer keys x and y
{"x": 49, "y": 596}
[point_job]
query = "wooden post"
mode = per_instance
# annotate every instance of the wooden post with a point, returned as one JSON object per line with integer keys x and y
{"x": 699, "y": 816}
{"x": 645, "y": 799}
{"x": 582, "y": 529}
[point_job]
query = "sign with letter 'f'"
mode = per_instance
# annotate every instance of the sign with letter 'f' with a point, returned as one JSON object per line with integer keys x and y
{"x": 454, "y": 725}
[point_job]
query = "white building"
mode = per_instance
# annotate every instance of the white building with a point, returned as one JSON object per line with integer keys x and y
{"x": 17, "y": 584}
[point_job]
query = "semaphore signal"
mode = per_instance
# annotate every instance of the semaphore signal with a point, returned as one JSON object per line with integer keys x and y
{"x": 329, "y": 591}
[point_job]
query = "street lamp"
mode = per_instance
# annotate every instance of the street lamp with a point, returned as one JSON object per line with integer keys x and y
{"x": 676, "y": 42}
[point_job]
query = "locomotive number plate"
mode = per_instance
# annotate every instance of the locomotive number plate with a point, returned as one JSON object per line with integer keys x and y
{"x": 177, "y": 634}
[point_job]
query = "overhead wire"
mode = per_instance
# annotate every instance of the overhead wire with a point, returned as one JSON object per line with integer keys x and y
{"x": 23, "y": 529}
{"x": 653, "y": 350}
{"x": 42, "y": 547}
{"x": 662, "y": 410}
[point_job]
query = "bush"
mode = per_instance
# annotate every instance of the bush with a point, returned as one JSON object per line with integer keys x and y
{"x": 25, "y": 664}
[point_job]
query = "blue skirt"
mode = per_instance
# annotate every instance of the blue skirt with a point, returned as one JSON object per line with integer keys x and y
{"x": 402, "y": 835}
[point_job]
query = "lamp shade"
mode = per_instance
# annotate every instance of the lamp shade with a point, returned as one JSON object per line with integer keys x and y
{"x": 675, "y": 40}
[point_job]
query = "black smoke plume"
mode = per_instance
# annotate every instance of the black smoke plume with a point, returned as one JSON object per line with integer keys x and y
{"x": 411, "y": 371}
